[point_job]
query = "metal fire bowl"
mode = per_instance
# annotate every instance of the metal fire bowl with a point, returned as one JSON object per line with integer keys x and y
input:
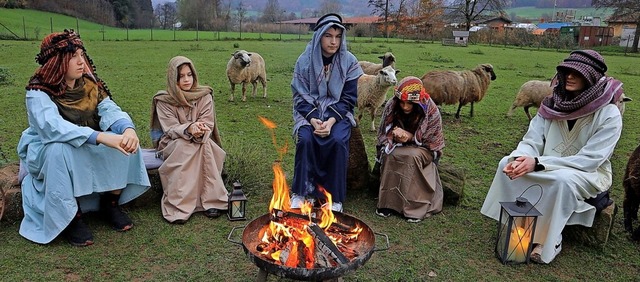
{"x": 365, "y": 246}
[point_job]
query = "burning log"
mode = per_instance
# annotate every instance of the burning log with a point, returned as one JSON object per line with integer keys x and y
{"x": 325, "y": 244}
{"x": 278, "y": 215}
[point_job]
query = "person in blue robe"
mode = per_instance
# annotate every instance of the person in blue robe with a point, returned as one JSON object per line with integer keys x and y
{"x": 81, "y": 151}
{"x": 324, "y": 86}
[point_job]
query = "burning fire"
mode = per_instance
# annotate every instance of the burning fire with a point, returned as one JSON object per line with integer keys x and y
{"x": 292, "y": 238}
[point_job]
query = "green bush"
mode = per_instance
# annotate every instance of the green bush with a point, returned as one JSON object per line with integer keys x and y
{"x": 5, "y": 76}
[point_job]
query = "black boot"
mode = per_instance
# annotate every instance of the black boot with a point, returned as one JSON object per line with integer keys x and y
{"x": 77, "y": 232}
{"x": 113, "y": 212}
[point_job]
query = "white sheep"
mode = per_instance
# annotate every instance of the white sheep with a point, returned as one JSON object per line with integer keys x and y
{"x": 245, "y": 67}
{"x": 531, "y": 94}
{"x": 372, "y": 68}
{"x": 372, "y": 90}
{"x": 463, "y": 87}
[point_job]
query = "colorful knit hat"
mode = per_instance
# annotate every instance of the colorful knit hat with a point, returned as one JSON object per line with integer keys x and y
{"x": 588, "y": 63}
{"x": 411, "y": 89}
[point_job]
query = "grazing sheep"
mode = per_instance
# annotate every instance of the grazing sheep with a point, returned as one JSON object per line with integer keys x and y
{"x": 631, "y": 184}
{"x": 463, "y": 87}
{"x": 372, "y": 90}
{"x": 245, "y": 67}
{"x": 531, "y": 94}
{"x": 372, "y": 68}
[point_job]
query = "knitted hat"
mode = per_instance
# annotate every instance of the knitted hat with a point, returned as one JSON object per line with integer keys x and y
{"x": 411, "y": 89}
{"x": 328, "y": 18}
{"x": 586, "y": 62}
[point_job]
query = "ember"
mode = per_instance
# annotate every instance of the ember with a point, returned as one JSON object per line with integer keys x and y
{"x": 307, "y": 237}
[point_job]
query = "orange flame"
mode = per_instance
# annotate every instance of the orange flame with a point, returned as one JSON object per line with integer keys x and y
{"x": 280, "y": 199}
{"x": 327, "y": 214}
{"x": 271, "y": 126}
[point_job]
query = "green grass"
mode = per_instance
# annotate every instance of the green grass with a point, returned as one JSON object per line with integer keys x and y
{"x": 455, "y": 244}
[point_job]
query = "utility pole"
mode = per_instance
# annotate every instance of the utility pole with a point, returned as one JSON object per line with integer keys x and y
{"x": 386, "y": 17}
{"x": 555, "y": 3}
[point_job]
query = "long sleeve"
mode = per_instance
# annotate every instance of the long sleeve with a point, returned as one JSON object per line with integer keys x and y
{"x": 49, "y": 125}
{"x": 171, "y": 125}
{"x": 110, "y": 113}
{"x": 347, "y": 102}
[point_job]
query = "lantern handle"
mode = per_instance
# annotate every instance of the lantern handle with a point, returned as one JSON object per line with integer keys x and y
{"x": 386, "y": 240}
{"x": 231, "y": 233}
{"x": 539, "y": 198}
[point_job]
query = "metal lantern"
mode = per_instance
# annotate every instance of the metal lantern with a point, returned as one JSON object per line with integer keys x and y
{"x": 237, "y": 203}
{"x": 516, "y": 229}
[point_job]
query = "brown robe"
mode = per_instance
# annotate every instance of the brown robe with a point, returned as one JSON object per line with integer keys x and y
{"x": 410, "y": 183}
{"x": 192, "y": 168}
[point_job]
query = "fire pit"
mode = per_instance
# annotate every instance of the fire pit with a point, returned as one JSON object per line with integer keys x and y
{"x": 306, "y": 243}
{"x": 364, "y": 246}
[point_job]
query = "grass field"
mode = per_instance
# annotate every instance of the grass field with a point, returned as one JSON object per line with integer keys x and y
{"x": 454, "y": 245}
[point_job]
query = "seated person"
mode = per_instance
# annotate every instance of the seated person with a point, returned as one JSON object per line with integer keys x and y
{"x": 566, "y": 151}
{"x": 410, "y": 140}
{"x": 80, "y": 148}
{"x": 325, "y": 88}
{"x": 184, "y": 131}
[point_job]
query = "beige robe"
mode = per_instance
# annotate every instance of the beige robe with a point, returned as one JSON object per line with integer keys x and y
{"x": 192, "y": 168}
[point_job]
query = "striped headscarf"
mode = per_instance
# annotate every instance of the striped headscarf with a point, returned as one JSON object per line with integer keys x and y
{"x": 55, "y": 52}
{"x": 561, "y": 105}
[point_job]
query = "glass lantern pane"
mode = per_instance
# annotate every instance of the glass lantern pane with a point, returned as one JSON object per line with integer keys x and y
{"x": 237, "y": 209}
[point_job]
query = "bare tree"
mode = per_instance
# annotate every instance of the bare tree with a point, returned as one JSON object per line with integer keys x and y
{"x": 624, "y": 9}
{"x": 473, "y": 10}
{"x": 330, "y": 6}
{"x": 272, "y": 12}
{"x": 382, "y": 8}
{"x": 166, "y": 14}
{"x": 241, "y": 11}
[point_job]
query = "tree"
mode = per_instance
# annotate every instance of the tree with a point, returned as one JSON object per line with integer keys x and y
{"x": 272, "y": 12}
{"x": 424, "y": 17}
{"x": 241, "y": 11}
{"x": 628, "y": 9}
{"x": 381, "y": 8}
{"x": 473, "y": 10}
{"x": 201, "y": 14}
{"x": 166, "y": 14}
{"x": 330, "y": 6}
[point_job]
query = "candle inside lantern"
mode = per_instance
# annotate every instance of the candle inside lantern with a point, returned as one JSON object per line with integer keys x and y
{"x": 236, "y": 209}
{"x": 518, "y": 244}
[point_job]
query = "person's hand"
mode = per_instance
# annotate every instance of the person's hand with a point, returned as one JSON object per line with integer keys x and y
{"x": 400, "y": 135}
{"x": 316, "y": 123}
{"x": 111, "y": 140}
{"x": 130, "y": 141}
{"x": 324, "y": 129}
{"x": 197, "y": 129}
{"x": 519, "y": 167}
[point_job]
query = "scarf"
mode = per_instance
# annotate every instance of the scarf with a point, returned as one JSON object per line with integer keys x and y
{"x": 429, "y": 127}
{"x": 564, "y": 106}
{"x": 79, "y": 105}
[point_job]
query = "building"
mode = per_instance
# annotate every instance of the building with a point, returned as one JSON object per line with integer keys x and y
{"x": 497, "y": 23}
{"x": 348, "y": 22}
{"x": 623, "y": 22}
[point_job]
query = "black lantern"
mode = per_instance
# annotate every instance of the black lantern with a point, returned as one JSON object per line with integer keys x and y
{"x": 516, "y": 229}
{"x": 237, "y": 203}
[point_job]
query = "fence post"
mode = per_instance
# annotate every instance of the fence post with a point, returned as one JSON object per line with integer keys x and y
{"x": 77, "y": 26}
{"x": 51, "y": 24}
{"x": 197, "y": 29}
{"x": 24, "y": 29}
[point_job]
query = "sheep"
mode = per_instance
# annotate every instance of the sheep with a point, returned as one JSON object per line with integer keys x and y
{"x": 463, "y": 87}
{"x": 531, "y": 94}
{"x": 631, "y": 184}
{"x": 244, "y": 67}
{"x": 372, "y": 68}
{"x": 372, "y": 90}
